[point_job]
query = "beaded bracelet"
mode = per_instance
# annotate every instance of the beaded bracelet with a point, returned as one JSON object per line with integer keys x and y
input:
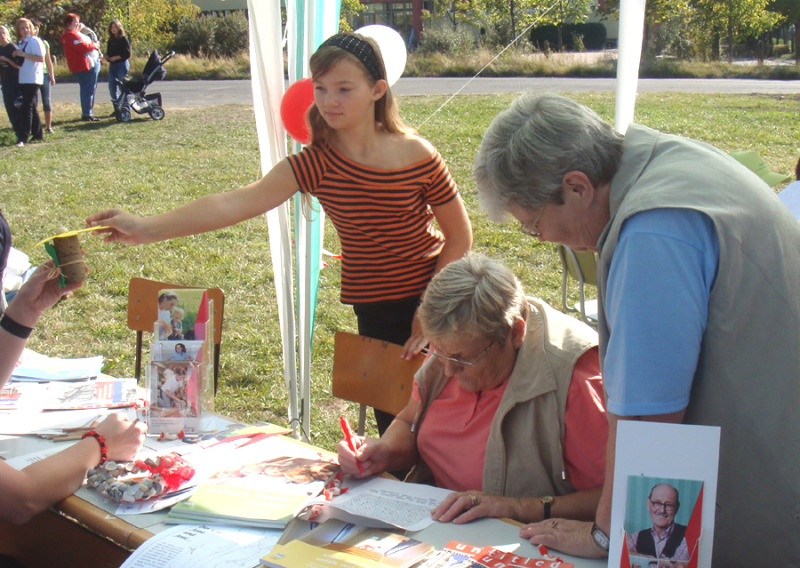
{"x": 14, "y": 328}
{"x": 102, "y": 442}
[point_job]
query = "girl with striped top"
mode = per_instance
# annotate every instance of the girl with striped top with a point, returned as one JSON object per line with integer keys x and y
{"x": 381, "y": 185}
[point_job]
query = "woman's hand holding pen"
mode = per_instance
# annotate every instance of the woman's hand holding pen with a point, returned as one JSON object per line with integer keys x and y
{"x": 372, "y": 453}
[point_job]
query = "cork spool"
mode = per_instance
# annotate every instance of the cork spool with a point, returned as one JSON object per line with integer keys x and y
{"x": 70, "y": 258}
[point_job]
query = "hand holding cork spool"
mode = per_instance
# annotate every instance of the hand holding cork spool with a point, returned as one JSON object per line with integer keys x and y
{"x": 70, "y": 257}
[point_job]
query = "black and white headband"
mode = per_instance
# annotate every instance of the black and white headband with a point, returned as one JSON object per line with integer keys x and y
{"x": 361, "y": 49}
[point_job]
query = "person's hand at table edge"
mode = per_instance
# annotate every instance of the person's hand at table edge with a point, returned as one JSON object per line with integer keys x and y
{"x": 567, "y": 536}
{"x": 464, "y": 506}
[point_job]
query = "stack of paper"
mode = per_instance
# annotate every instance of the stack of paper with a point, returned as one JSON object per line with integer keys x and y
{"x": 337, "y": 544}
{"x": 262, "y": 484}
{"x": 33, "y": 366}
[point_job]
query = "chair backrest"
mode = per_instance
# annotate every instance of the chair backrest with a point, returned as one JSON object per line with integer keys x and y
{"x": 143, "y": 313}
{"x": 582, "y": 267}
{"x": 371, "y": 373}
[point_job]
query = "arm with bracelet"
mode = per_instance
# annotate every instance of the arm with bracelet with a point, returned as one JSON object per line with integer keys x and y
{"x": 44, "y": 483}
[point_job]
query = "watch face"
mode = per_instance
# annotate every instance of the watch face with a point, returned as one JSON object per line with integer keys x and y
{"x": 600, "y": 537}
{"x": 547, "y": 499}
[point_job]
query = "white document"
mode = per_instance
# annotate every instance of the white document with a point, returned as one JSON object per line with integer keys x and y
{"x": 664, "y": 452}
{"x": 54, "y": 422}
{"x": 37, "y": 367}
{"x": 203, "y": 546}
{"x": 404, "y": 505}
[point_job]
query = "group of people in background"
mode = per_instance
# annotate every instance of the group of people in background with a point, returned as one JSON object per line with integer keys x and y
{"x": 27, "y": 70}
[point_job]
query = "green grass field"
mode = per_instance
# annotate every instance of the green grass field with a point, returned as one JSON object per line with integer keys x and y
{"x": 149, "y": 167}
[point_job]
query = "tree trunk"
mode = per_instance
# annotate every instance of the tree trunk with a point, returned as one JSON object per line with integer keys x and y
{"x": 513, "y": 21}
{"x": 797, "y": 42}
{"x": 730, "y": 40}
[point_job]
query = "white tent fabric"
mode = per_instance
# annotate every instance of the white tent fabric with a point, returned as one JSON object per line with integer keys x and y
{"x": 631, "y": 29}
{"x": 266, "y": 69}
{"x": 309, "y": 22}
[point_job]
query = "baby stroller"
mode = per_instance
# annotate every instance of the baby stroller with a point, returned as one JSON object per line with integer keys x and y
{"x": 132, "y": 91}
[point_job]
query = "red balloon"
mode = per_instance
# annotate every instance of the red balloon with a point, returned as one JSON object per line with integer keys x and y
{"x": 295, "y": 103}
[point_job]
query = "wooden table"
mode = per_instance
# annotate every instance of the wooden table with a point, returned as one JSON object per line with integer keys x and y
{"x": 78, "y": 533}
{"x": 73, "y": 533}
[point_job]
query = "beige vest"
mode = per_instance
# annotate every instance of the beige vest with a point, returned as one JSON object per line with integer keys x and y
{"x": 525, "y": 449}
{"x": 748, "y": 374}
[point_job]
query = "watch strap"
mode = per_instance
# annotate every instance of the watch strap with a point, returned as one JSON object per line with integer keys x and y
{"x": 547, "y": 503}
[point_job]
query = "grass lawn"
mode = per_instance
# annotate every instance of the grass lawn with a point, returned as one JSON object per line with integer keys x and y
{"x": 149, "y": 167}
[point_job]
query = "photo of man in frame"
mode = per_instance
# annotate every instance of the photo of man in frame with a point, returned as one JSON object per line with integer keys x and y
{"x": 659, "y": 539}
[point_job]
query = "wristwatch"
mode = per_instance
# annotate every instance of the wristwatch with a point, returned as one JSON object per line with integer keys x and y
{"x": 600, "y": 538}
{"x": 547, "y": 501}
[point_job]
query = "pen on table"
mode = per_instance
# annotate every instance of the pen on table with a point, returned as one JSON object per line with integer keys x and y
{"x": 348, "y": 436}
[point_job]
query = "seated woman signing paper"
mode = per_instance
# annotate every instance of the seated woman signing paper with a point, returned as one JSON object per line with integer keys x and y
{"x": 44, "y": 483}
{"x": 508, "y": 409}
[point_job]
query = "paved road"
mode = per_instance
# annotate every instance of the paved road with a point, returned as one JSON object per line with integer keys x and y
{"x": 178, "y": 94}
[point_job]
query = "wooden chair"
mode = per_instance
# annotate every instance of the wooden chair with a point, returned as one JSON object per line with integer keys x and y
{"x": 582, "y": 267}
{"x": 143, "y": 312}
{"x": 371, "y": 373}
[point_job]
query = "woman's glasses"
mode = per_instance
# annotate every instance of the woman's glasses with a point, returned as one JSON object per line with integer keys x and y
{"x": 532, "y": 229}
{"x": 456, "y": 360}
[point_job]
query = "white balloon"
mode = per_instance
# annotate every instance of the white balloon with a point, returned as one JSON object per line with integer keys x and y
{"x": 393, "y": 49}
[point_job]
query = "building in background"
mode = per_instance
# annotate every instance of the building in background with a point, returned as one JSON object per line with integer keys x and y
{"x": 220, "y": 7}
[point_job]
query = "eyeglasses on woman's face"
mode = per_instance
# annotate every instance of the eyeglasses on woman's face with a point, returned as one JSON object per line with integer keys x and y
{"x": 532, "y": 229}
{"x": 456, "y": 360}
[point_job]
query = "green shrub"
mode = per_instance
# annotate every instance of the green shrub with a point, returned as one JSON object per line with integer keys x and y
{"x": 196, "y": 37}
{"x": 230, "y": 35}
{"x": 593, "y": 36}
{"x": 447, "y": 41}
{"x": 780, "y": 50}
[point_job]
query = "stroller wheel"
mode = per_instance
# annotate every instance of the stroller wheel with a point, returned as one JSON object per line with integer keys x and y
{"x": 124, "y": 114}
{"x": 157, "y": 113}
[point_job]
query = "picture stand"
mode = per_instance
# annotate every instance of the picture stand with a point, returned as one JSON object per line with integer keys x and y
{"x": 180, "y": 373}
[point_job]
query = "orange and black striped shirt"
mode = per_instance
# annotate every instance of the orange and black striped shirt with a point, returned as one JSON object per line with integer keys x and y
{"x": 383, "y": 218}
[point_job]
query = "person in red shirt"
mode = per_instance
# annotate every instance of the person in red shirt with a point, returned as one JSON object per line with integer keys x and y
{"x": 508, "y": 409}
{"x": 81, "y": 51}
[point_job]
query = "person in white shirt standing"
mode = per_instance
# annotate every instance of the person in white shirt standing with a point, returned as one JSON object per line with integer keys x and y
{"x": 31, "y": 76}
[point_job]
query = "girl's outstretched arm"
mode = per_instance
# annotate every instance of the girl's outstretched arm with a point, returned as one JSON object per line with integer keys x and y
{"x": 455, "y": 226}
{"x": 207, "y": 213}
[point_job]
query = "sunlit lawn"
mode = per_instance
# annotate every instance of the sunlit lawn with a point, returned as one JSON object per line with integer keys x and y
{"x": 148, "y": 167}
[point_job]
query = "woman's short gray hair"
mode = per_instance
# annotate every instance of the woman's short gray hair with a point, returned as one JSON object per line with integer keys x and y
{"x": 475, "y": 296}
{"x": 529, "y": 147}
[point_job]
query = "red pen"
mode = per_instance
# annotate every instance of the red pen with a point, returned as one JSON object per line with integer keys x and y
{"x": 348, "y": 436}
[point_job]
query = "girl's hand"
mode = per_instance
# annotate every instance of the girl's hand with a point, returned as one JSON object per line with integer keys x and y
{"x": 123, "y": 227}
{"x": 416, "y": 342}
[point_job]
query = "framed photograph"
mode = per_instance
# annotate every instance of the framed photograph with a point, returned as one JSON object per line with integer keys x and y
{"x": 663, "y": 520}
{"x": 665, "y": 486}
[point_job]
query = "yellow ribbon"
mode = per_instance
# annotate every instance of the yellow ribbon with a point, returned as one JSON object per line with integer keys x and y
{"x": 67, "y": 234}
